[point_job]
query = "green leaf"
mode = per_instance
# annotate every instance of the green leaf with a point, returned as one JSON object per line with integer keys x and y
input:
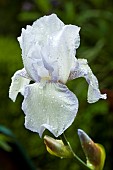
{"x": 44, "y": 5}
{"x": 28, "y": 16}
{"x": 4, "y": 143}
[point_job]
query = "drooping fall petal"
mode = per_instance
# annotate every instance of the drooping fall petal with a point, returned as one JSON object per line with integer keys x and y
{"x": 51, "y": 107}
{"x": 82, "y": 69}
{"x": 19, "y": 80}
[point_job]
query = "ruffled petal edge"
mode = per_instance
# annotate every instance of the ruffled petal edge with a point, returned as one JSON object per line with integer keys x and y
{"x": 82, "y": 69}
{"x": 19, "y": 80}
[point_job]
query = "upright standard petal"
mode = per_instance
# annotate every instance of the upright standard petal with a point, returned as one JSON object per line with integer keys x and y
{"x": 48, "y": 42}
{"x": 51, "y": 107}
{"x": 35, "y": 37}
{"x": 83, "y": 70}
{"x": 42, "y": 29}
{"x": 19, "y": 81}
{"x": 61, "y": 48}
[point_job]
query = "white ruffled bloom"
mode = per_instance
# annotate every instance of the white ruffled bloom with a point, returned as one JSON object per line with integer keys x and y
{"x": 48, "y": 53}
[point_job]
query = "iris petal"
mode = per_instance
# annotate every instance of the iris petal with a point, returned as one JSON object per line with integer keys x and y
{"x": 53, "y": 45}
{"x": 19, "y": 81}
{"x": 36, "y": 36}
{"x": 51, "y": 107}
{"x": 62, "y": 49}
{"x": 83, "y": 70}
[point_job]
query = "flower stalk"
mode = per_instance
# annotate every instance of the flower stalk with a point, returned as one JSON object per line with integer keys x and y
{"x": 79, "y": 160}
{"x": 95, "y": 154}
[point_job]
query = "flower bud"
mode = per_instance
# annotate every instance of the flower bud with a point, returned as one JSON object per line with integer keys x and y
{"x": 57, "y": 147}
{"x": 95, "y": 153}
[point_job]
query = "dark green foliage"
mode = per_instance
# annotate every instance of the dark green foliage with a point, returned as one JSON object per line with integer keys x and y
{"x": 95, "y": 17}
{"x": 11, "y": 152}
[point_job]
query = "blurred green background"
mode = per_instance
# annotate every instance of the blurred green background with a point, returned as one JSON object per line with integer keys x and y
{"x": 95, "y": 17}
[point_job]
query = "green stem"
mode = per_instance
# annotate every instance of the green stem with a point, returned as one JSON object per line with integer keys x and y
{"x": 75, "y": 156}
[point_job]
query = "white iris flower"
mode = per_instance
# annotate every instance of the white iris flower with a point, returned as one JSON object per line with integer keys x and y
{"x": 48, "y": 53}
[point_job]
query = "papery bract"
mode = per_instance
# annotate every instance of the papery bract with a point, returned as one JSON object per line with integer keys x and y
{"x": 48, "y": 53}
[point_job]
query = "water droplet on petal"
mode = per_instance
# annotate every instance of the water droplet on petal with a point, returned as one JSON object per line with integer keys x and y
{"x": 41, "y": 87}
{"x": 62, "y": 105}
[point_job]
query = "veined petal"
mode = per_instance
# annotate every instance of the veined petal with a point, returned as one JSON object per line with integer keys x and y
{"x": 38, "y": 66}
{"x": 53, "y": 45}
{"x": 83, "y": 70}
{"x": 39, "y": 32}
{"x": 63, "y": 50}
{"x": 19, "y": 81}
{"x": 51, "y": 107}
